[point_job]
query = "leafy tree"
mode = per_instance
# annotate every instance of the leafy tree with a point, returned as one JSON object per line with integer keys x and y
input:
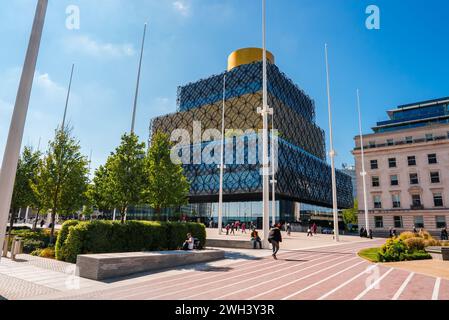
{"x": 350, "y": 215}
{"x": 166, "y": 186}
{"x": 99, "y": 193}
{"x": 62, "y": 180}
{"x": 121, "y": 182}
{"x": 23, "y": 195}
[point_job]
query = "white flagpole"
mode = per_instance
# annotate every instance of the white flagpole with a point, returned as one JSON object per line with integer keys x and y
{"x": 138, "y": 80}
{"x": 67, "y": 99}
{"x": 265, "y": 110}
{"x": 15, "y": 135}
{"x": 332, "y": 153}
{"x": 220, "y": 200}
{"x": 363, "y": 173}
{"x": 273, "y": 175}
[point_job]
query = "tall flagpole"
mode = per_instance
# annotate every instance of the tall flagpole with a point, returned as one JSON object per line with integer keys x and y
{"x": 363, "y": 173}
{"x": 15, "y": 135}
{"x": 273, "y": 175}
{"x": 332, "y": 153}
{"x": 67, "y": 99}
{"x": 220, "y": 200}
{"x": 264, "y": 111}
{"x": 138, "y": 80}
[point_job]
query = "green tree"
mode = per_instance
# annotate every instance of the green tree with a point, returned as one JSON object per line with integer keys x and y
{"x": 350, "y": 215}
{"x": 121, "y": 182}
{"x": 23, "y": 195}
{"x": 62, "y": 179}
{"x": 99, "y": 192}
{"x": 166, "y": 186}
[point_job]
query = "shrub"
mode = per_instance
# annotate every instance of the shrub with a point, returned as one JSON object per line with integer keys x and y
{"x": 415, "y": 243}
{"x": 29, "y": 245}
{"x": 407, "y": 235}
{"x": 62, "y": 236}
{"x": 431, "y": 243}
{"x": 417, "y": 255}
{"x": 47, "y": 253}
{"x": 107, "y": 237}
{"x": 425, "y": 235}
{"x": 392, "y": 250}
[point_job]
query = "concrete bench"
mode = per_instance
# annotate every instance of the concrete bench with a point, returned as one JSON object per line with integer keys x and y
{"x": 228, "y": 243}
{"x": 438, "y": 253}
{"x": 112, "y": 265}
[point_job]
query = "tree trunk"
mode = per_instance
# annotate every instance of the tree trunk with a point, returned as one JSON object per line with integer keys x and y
{"x": 52, "y": 222}
{"x": 36, "y": 219}
{"x": 158, "y": 214}
{"x": 123, "y": 214}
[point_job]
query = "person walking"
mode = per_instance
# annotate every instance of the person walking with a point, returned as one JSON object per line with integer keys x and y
{"x": 444, "y": 234}
{"x": 289, "y": 229}
{"x": 42, "y": 223}
{"x": 314, "y": 228}
{"x": 275, "y": 238}
{"x": 243, "y": 227}
{"x": 227, "y": 229}
{"x": 233, "y": 228}
{"x": 309, "y": 232}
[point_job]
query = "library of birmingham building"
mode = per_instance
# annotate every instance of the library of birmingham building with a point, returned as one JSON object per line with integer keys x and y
{"x": 303, "y": 177}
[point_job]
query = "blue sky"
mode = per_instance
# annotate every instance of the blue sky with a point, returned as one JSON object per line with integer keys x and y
{"x": 407, "y": 60}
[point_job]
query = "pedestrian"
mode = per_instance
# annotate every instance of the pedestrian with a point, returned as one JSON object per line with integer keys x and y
{"x": 42, "y": 223}
{"x": 314, "y": 228}
{"x": 211, "y": 223}
{"x": 289, "y": 229}
{"x": 362, "y": 230}
{"x": 414, "y": 230}
{"x": 227, "y": 229}
{"x": 233, "y": 228}
{"x": 391, "y": 232}
{"x": 243, "y": 227}
{"x": 309, "y": 231}
{"x": 275, "y": 237}
{"x": 394, "y": 233}
{"x": 256, "y": 239}
{"x": 370, "y": 233}
{"x": 444, "y": 234}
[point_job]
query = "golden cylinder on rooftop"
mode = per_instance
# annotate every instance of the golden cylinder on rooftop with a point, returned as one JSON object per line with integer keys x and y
{"x": 247, "y": 56}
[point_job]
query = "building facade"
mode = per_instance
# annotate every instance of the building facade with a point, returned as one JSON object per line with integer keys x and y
{"x": 302, "y": 175}
{"x": 407, "y": 165}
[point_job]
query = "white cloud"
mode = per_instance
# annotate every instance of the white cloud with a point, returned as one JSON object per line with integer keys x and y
{"x": 85, "y": 45}
{"x": 182, "y": 7}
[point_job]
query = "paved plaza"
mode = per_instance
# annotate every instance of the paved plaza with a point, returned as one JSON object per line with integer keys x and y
{"x": 320, "y": 270}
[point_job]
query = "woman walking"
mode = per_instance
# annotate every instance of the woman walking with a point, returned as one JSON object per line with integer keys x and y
{"x": 275, "y": 238}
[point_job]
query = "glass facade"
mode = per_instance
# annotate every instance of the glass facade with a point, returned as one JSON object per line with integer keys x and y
{"x": 415, "y": 115}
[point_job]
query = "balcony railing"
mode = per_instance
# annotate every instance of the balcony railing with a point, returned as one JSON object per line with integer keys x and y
{"x": 417, "y": 207}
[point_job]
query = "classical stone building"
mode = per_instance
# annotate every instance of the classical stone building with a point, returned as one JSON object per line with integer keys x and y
{"x": 407, "y": 165}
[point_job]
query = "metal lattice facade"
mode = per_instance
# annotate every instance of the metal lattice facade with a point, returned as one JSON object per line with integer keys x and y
{"x": 303, "y": 174}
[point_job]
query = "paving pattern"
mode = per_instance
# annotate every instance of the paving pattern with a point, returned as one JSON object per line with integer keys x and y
{"x": 327, "y": 273}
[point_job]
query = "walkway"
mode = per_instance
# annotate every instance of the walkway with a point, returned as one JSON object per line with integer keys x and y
{"x": 327, "y": 273}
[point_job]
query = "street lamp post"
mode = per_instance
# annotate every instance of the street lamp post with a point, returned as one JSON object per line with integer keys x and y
{"x": 15, "y": 135}
{"x": 332, "y": 153}
{"x": 363, "y": 173}
{"x": 273, "y": 175}
{"x": 265, "y": 111}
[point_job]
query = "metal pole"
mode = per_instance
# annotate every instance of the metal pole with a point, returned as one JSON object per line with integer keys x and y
{"x": 363, "y": 173}
{"x": 15, "y": 135}
{"x": 273, "y": 175}
{"x": 332, "y": 153}
{"x": 67, "y": 99}
{"x": 220, "y": 197}
{"x": 138, "y": 80}
{"x": 113, "y": 215}
{"x": 265, "y": 111}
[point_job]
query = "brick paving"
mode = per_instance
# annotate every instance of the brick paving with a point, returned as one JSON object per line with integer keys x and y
{"x": 329, "y": 272}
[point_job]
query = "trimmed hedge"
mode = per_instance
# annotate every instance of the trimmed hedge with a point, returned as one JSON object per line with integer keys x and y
{"x": 107, "y": 237}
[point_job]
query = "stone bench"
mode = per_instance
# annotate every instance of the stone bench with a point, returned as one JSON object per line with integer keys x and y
{"x": 112, "y": 265}
{"x": 438, "y": 253}
{"x": 228, "y": 243}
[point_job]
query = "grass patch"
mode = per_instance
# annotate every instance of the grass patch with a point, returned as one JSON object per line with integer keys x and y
{"x": 370, "y": 254}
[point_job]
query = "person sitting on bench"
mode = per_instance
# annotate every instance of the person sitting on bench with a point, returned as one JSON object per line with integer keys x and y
{"x": 256, "y": 239}
{"x": 189, "y": 243}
